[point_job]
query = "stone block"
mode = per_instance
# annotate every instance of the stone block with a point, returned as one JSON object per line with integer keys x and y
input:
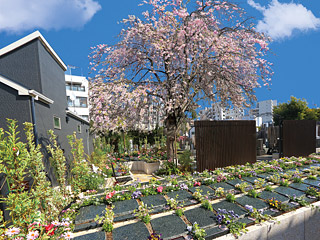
{"x": 133, "y": 231}
{"x": 170, "y": 226}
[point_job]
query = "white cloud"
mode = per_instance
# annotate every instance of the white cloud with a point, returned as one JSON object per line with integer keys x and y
{"x": 23, "y": 15}
{"x": 281, "y": 19}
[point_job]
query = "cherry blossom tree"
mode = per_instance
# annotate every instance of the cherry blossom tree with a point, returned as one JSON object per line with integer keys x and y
{"x": 175, "y": 57}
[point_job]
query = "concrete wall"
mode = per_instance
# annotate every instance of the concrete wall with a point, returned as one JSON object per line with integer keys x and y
{"x": 302, "y": 224}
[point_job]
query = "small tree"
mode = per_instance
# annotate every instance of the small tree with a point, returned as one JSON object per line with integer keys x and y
{"x": 174, "y": 58}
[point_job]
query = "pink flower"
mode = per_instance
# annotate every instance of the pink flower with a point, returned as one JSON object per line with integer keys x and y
{"x": 160, "y": 189}
{"x": 32, "y": 235}
{"x": 12, "y": 231}
{"x": 65, "y": 223}
{"x": 68, "y": 235}
{"x": 197, "y": 184}
{"x": 110, "y": 195}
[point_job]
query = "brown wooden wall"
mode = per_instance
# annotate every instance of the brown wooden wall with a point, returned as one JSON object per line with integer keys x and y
{"x": 224, "y": 143}
{"x": 298, "y": 137}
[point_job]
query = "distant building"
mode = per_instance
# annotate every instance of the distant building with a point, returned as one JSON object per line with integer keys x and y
{"x": 77, "y": 89}
{"x": 153, "y": 118}
{"x": 218, "y": 112}
{"x": 264, "y": 109}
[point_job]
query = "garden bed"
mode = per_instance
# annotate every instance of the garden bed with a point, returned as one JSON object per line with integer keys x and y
{"x": 215, "y": 187}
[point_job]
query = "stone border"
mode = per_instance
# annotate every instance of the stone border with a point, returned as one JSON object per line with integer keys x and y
{"x": 143, "y": 166}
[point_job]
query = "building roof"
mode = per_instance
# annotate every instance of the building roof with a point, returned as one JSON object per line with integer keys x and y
{"x": 76, "y": 116}
{"x": 23, "y": 91}
{"x": 29, "y": 38}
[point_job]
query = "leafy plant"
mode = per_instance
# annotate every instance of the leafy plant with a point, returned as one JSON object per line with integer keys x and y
{"x": 185, "y": 161}
{"x": 229, "y": 218}
{"x": 284, "y": 182}
{"x": 253, "y": 193}
{"x": 143, "y": 213}
{"x": 313, "y": 191}
{"x": 231, "y": 197}
{"x": 219, "y": 192}
{"x": 258, "y": 215}
{"x": 268, "y": 188}
{"x": 107, "y": 219}
{"x": 58, "y": 161}
{"x": 198, "y": 195}
{"x": 259, "y": 183}
{"x": 242, "y": 186}
{"x": 275, "y": 178}
{"x": 197, "y": 232}
{"x": 207, "y": 205}
{"x": 179, "y": 212}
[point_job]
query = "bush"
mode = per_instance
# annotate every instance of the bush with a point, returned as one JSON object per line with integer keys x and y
{"x": 185, "y": 161}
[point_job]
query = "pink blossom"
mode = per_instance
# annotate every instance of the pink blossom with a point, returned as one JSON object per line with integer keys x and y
{"x": 160, "y": 189}
{"x": 32, "y": 235}
{"x": 110, "y": 195}
{"x": 68, "y": 235}
{"x": 12, "y": 231}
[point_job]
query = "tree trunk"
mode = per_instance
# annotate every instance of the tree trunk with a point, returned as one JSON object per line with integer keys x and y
{"x": 171, "y": 130}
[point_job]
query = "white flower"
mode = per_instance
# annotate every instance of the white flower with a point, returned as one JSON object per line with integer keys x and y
{"x": 189, "y": 228}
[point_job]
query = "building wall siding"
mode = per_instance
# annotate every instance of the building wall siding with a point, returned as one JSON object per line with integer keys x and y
{"x": 22, "y": 66}
{"x": 15, "y": 107}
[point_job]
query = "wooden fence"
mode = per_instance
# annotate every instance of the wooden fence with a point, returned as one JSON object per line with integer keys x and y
{"x": 298, "y": 137}
{"x": 224, "y": 143}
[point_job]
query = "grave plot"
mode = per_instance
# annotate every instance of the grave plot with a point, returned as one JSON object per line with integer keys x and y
{"x": 266, "y": 195}
{"x": 250, "y": 179}
{"x": 234, "y": 182}
{"x": 265, "y": 175}
{"x": 203, "y": 217}
{"x": 169, "y": 227}
{"x": 227, "y": 187}
{"x": 254, "y": 202}
{"x": 215, "y": 232}
{"x": 133, "y": 231}
{"x": 85, "y": 219}
{"x": 123, "y": 210}
{"x": 300, "y": 186}
{"x": 229, "y": 207}
{"x": 157, "y": 202}
{"x": 312, "y": 182}
{"x": 205, "y": 191}
{"x": 183, "y": 196}
{"x": 287, "y": 191}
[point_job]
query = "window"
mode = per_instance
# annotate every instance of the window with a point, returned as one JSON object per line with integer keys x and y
{"x": 78, "y": 102}
{"x": 79, "y": 128}
{"x": 75, "y": 87}
{"x": 56, "y": 122}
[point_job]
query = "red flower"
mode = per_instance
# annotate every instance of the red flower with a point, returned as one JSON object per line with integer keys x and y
{"x": 50, "y": 230}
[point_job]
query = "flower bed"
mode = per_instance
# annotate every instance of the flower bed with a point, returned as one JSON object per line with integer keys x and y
{"x": 256, "y": 186}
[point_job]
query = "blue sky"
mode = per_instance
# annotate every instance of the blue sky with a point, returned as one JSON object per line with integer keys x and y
{"x": 72, "y": 26}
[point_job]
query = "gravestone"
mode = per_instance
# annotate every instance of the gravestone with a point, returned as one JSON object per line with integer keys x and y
{"x": 170, "y": 226}
{"x": 203, "y": 217}
{"x": 132, "y": 231}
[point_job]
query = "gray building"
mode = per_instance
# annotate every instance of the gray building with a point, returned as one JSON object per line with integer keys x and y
{"x": 32, "y": 89}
